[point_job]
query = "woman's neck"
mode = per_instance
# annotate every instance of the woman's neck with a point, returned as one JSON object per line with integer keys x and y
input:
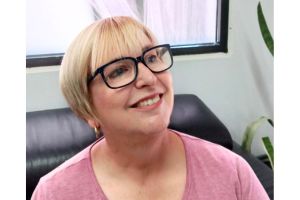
{"x": 143, "y": 154}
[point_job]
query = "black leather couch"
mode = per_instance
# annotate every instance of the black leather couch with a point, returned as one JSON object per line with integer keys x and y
{"x": 52, "y": 136}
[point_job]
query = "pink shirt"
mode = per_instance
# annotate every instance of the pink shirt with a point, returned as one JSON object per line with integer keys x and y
{"x": 213, "y": 172}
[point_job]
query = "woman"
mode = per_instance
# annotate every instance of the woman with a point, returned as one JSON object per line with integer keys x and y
{"x": 115, "y": 76}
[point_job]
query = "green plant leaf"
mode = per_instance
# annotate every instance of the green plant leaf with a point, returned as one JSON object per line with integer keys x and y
{"x": 271, "y": 122}
{"x": 265, "y": 30}
{"x": 250, "y": 132}
{"x": 269, "y": 149}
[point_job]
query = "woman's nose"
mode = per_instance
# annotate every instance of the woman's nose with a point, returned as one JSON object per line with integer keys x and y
{"x": 145, "y": 77}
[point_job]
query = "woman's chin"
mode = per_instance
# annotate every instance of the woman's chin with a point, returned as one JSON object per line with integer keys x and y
{"x": 154, "y": 127}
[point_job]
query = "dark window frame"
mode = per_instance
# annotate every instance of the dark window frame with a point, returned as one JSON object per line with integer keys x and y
{"x": 219, "y": 46}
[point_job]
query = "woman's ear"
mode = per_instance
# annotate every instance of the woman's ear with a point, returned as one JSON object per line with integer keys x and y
{"x": 93, "y": 123}
{"x": 96, "y": 126}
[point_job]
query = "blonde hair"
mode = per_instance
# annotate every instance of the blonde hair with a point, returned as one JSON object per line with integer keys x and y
{"x": 96, "y": 45}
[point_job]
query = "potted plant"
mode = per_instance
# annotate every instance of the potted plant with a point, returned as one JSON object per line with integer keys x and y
{"x": 252, "y": 127}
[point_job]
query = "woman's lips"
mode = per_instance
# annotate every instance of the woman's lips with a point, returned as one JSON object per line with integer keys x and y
{"x": 148, "y": 101}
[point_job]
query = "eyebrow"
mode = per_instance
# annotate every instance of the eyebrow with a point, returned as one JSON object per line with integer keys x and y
{"x": 146, "y": 47}
{"x": 143, "y": 49}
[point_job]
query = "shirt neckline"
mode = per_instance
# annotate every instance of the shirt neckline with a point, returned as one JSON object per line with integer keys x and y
{"x": 98, "y": 188}
{"x": 187, "y": 160}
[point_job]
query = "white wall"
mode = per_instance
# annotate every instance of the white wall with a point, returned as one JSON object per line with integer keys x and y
{"x": 237, "y": 87}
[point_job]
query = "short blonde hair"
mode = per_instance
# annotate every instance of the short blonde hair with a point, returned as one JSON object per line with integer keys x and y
{"x": 94, "y": 46}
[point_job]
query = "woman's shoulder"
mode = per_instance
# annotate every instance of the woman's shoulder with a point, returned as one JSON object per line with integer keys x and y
{"x": 202, "y": 150}
{"x": 68, "y": 167}
{"x": 66, "y": 177}
{"x": 229, "y": 173}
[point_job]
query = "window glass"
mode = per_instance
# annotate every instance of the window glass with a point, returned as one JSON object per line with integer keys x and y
{"x": 193, "y": 26}
{"x": 52, "y": 24}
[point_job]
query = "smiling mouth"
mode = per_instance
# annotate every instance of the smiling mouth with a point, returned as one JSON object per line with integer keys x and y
{"x": 147, "y": 102}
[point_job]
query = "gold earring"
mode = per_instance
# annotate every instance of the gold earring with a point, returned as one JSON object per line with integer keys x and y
{"x": 97, "y": 132}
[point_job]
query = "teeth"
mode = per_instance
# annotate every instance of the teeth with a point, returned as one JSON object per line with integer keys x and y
{"x": 148, "y": 102}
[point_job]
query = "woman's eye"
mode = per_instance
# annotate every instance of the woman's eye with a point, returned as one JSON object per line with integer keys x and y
{"x": 152, "y": 59}
{"x": 118, "y": 72}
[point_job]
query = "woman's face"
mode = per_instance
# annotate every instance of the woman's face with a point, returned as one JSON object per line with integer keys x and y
{"x": 143, "y": 107}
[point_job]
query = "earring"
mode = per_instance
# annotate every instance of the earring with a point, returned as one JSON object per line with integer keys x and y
{"x": 97, "y": 132}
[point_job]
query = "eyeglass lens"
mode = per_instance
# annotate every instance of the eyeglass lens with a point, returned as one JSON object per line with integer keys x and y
{"x": 120, "y": 73}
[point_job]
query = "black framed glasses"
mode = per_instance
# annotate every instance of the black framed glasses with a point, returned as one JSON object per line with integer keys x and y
{"x": 123, "y": 71}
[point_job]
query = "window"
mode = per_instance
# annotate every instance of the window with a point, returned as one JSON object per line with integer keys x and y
{"x": 191, "y": 27}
